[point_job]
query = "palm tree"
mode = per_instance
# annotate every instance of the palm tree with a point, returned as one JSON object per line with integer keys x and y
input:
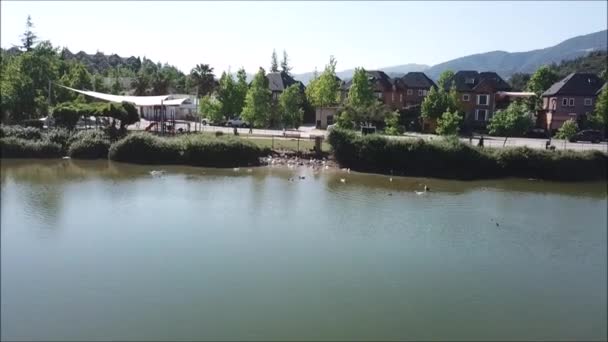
{"x": 203, "y": 78}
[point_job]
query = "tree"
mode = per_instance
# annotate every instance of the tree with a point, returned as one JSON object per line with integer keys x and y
{"x": 211, "y": 108}
{"x": 392, "y": 123}
{"x": 600, "y": 113}
{"x": 28, "y": 39}
{"x": 203, "y": 78}
{"x": 291, "y": 103}
{"x": 240, "y": 91}
{"x": 274, "y": 64}
{"x": 284, "y": 64}
{"x": 116, "y": 88}
{"x": 140, "y": 83}
{"x": 325, "y": 90}
{"x": 449, "y": 123}
{"x": 361, "y": 93}
{"x": 514, "y": 120}
{"x": 439, "y": 101}
{"x": 567, "y": 131}
{"x": 160, "y": 83}
{"x": 227, "y": 96}
{"x": 98, "y": 85}
{"x": 541, "y": 80}
{"x": 445, "y": 77}
{"x": 519, "y": 80}
{"x": 257, "y": 101}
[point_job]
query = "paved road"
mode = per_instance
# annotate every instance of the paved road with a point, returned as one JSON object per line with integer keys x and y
{"x": 497, "y": 142}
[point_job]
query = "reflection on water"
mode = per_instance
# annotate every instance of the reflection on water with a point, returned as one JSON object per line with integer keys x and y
{"x": 198, "y": 253}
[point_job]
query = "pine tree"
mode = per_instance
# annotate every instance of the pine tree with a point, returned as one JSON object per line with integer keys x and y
{"x": 29, "y": 38}
{"x": 285, "y": 64}
{"x": 274, "y": 64}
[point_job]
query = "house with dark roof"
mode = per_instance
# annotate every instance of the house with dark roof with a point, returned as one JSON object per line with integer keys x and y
{"x": 417, "y": 85}
{"x": 573, "y": 97}
{"x": 279, "y": 81}
{"x": 478, "y": 92}
{"x": 390, "y": 91}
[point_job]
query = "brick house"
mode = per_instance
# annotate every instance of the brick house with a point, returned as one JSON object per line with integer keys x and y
{"x": 570, "y": 98}
{"x": 477, "y": 92}
{"x": 390, "y": 91}
{"x": 417, "y": 85}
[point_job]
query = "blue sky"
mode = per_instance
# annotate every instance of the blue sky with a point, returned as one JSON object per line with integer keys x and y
{"x": 234, "y": 34}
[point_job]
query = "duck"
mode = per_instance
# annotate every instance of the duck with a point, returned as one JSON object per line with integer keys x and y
{"x": 236, "y": 169}
{"x": 302, "y": 177}
{"x": 249, "y": 170}
{"x": 342, "y": 180}
{"x": 390, "y": 179}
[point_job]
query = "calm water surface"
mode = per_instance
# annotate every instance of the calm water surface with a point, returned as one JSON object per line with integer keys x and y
{"x": 99, "y": 250}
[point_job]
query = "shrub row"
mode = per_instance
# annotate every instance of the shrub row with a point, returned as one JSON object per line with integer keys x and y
{"x": 12, "y": 147}
{"x": 144, "y": 148}
{"x": 457, "y": 160}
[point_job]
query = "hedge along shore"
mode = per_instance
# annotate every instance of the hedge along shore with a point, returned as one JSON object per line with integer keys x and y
{"x": 142, "y": 148}
{"x": 453, "y": 159}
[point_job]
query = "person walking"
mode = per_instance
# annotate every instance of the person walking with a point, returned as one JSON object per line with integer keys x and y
{"x": 250, "y": 128}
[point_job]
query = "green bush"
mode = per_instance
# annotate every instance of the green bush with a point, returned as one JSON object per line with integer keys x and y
{"x": 450, "y": 158}
{"x": 145, "y": 148}
{"x": 219, "y": 133}
{"x": 89, "y": 147}
{"x": 59, "y": 136}
{"x": 13, "y": 147}
{"x": 28, "y": 133}
{"x": 220, "y": 152}
{"x": 33, "y": 123}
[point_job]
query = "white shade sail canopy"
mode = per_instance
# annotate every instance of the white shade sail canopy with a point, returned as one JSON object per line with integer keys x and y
{"x": 136, "y": 100}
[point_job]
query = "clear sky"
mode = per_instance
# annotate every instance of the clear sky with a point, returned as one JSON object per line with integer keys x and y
{"x": 234, "y": 34}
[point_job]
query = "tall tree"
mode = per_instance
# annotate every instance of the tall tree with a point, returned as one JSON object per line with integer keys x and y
{"x": 600, "y": 114}
{"x": 203, "y": 77}
{"x": 325, "y": 90}
{"x": 98, "y": 85}
{"x": 274, "y": 64}
{"x": 227, "y": 95}
{"x": 449, "y": 123}
{"x": 240, "y": 90}
{"x": 116, "y": 88}
{"x": 291, "y": 102}
{"x": 444, "y": 78}
{"x": 140, "y": 83}
{"x": 439, "y": 101}
{"x": 28, "y": 39}
{"x": 257, "y": 102}
{"x": 285, "y": 64}
{"x": 361, "y": 93}
{"x": 211, "y": 109}
{"x": 540, "y": 81}
{"x": 519, "y": 80}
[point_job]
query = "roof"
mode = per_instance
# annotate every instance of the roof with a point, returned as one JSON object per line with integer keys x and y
{"x": 279, "y": 81}
{"x": 469, "y": 80}
{"x": 601, "y": 89}
{"x": 136, "y": 100}
{"x": 576, "y": 84}
{"x": 379, "y": 79}
{"x": 417, "y": 80}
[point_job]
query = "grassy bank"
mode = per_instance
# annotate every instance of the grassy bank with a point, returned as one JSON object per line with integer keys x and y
{"x": 457, "y": 160}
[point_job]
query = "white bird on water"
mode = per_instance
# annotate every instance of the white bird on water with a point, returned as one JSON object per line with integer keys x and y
{"x": 390, "y": 179}
{"x": 342, "y": 180}
{"x": 236, "y": 169}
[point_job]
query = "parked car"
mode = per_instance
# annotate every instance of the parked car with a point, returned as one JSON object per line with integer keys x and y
{"x": 237, "y": 122}
{"x": 591, "y": 135}
{"x": 206, "y": 121}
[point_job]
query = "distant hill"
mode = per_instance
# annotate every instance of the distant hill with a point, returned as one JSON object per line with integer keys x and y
{"x": 508, "y": 63}
{"x": 392, "y": 71}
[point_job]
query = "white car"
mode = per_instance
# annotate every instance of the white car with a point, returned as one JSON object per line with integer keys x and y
{"x": 238, "y": 122}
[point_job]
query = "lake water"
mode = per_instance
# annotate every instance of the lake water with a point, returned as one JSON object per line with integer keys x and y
{"x": 100, "y": 250}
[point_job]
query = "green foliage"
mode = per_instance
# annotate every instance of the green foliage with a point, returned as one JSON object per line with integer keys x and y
{"x": 67, "y": 114}
{"x": 361, "y": 93}
{"x": 519, "y": 81}
{"x": 257, "y": 102}
{"x": 59, "y": 136}
{"x": 285, "y": 64}
{"x": 392, "y": 124}
{"x": 203, "y": 79}
{"x": 211, "y": 109}
{"x": 145, "y": 148}
{"x": 568, "y": 130}
{"x": 241, "y": 88}
{"x": 439, "y": 101}
{"x": 444, "y": 78}
{"x": 28, "y": 133}
{"x": 594, "y": 62}
{"x": 274, "y": 64}
{"x": 513, "y": 121}
{"x": 92, "y": 146}
{"x": 228, "y": 96}
{"x": 13, "y": 147}
{"x": 116, "y": 88}
{"x": 29, "y": 38}
{"x": 542, "y": 79}
{"x": 324, "y": 90}
{"x": 291, "y": 102}
{"x": 454, "y": 159}
{"x": 140, "y": 83}
{"x": 600, "y": 113}
{"x": 448, "y": 123}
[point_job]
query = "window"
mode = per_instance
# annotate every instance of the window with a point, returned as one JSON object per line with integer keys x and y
{"x": 393, "y": 97}
{"x": 588, "y": 102}
{"x": 564, "y": 102}
{"x": 571, "y": 102}
{"x": 379, "y": 95}
{"x": 481, "y": 114}
{"x": 400, "y": 97}
{"x": 424, "y": 92}
{"x": 469, "y": 81}
{"x": 465, "y": 97}
{"x": 410, "y": 92}
{"x": 420, "y": 92}
{"x": 482, "y": 100}
{"x": 553, "y": 103}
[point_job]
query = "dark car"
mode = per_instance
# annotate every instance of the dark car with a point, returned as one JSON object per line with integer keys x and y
{"x": 592, "y": 135}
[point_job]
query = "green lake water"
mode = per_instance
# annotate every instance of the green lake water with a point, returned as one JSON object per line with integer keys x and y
{"x": 101, "y": 250}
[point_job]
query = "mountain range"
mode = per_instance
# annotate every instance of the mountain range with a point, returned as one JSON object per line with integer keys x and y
{"x": 504, "y": 63}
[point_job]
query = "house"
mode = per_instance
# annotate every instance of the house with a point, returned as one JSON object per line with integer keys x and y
{"x": 417, "y": 85}
{"x": 570, "y": 98}
{"x": 279, "y": 81}
{"x": 480, "y": 95}
{"x": 325, "y": 116}
{"x": 390, "y": 91}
